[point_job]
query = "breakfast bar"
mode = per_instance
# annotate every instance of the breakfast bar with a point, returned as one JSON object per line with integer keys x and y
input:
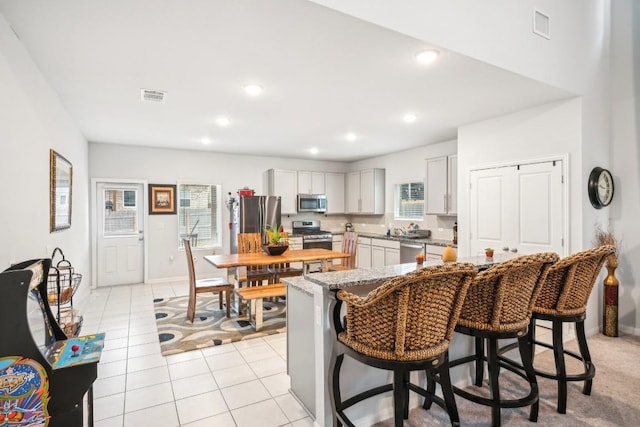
{"x": 308, "y": 354}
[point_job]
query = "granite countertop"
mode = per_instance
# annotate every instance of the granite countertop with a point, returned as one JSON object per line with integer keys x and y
{"x": 429, "y": 241}
{"x": 359, "y": 277}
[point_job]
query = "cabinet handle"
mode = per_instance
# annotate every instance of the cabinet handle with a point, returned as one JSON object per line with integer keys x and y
{"x": 445, "y": 202}
{"x": 506, "y": 248}
{"x": 514, "y": 250}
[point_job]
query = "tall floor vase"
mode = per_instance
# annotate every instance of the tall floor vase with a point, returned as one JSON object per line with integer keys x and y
{"x": 610, "y": 311}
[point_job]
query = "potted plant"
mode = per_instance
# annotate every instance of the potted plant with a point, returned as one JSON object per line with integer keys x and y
{"x": 488, "y": 252}
{"x": 277, "y": 241}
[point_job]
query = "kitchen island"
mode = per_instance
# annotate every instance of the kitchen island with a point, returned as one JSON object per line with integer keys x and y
{"x": 310, "y": 341}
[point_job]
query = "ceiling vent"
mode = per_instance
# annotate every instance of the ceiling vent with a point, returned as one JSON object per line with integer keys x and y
{"x": 153, "y": 95}
{"x": 541, "y": 24}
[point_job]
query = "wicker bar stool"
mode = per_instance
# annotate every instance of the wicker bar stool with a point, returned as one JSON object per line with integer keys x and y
{"x": 402, "y": 326}
{"x": 498, "y": 306}
{"x": 563, "y": 298}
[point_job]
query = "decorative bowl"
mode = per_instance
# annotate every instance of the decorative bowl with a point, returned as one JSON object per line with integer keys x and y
{"x": 275, "y": 249}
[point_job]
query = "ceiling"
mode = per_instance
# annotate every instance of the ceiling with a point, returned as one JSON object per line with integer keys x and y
{"x": 324, "y": 74}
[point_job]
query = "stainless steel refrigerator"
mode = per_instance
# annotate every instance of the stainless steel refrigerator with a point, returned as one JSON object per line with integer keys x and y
{"x": 252, "y": 214}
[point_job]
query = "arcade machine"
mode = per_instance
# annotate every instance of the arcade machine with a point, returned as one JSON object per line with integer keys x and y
{"x": 41, "y": 385}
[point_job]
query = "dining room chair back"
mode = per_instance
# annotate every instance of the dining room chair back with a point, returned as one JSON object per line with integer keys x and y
{"x": 198, "y": 286}
{"x": 252, "y": 243}
{"x": 284, "y": 269}
{"x": 349, "y": 246}
{"x": 563, "y": 299}
{"x": 499, "y": 305}
{"x": 404, "y": 325}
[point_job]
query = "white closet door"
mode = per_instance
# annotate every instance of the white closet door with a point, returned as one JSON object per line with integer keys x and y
{"x": 518, "y": 207}
{"x": 539, "y": 219}
{"x": 490, "y": 212}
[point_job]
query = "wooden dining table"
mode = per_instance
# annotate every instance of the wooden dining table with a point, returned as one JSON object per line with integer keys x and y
{"x": 260, "y": 259}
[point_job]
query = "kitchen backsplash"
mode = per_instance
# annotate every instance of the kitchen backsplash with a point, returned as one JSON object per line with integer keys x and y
{"x": 441, "y": 227}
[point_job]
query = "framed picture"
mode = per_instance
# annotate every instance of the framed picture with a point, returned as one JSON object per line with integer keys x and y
{"x": 162, "y": 199}
{"x": 60, "y": 186}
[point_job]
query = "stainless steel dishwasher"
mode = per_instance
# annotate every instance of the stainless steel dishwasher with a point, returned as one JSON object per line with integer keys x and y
{"x": 409, "y": 250}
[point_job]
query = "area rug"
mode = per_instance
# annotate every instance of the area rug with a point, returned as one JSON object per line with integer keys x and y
{"x": 210, "y": 326}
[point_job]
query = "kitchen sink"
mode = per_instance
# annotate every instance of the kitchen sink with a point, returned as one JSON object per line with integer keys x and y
{"x": 418, "y": 234}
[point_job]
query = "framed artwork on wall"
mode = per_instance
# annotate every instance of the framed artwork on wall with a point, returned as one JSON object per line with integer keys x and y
{"x": 162, "y": 199}
{"x": 60, "y": 186}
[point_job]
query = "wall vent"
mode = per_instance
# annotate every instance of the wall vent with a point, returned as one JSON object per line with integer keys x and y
{"x": 153, "y": 95}
{"x": 541, "y": 24}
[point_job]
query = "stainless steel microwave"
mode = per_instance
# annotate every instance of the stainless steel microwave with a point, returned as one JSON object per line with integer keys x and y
{"x": 312, "y": 203}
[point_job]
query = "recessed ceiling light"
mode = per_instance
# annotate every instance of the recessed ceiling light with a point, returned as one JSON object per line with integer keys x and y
{"x": 427, "y": 56}
{"x": 313, "y": 150}
{"x": 223, "y": 121}
{"x": 253, "y": 90}
{"x": 206, "y": 141}
{"x": 409, "y": 118}
{"x": 351, "y": 137}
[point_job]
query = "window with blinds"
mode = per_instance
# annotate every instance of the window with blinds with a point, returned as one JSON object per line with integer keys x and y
{"x": 199, "y": 215}
{"x": 409, "y": 200}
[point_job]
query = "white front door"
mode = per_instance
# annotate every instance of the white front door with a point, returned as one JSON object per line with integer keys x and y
{"x": 120, "y": 248}
{"x": 517, "y": 208}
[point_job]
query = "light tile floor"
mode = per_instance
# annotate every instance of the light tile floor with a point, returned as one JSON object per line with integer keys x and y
{"x": 240, "y": 384}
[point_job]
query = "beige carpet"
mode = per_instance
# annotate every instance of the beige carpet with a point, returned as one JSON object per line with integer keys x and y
{"x": 211, "y": 326}
{"x": 614, "y": 399}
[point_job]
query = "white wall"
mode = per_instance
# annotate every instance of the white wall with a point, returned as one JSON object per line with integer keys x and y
{"x": 499, "y": 32}
{"x": 400, "y": 167}
{"x": 33, "y": 121}
{"x": 167, "y": 166}
{"x": 625, "y": 113}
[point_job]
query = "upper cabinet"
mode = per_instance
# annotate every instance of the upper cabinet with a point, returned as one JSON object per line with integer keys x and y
{"x": 334, "y": 189}
{"x": 284, "y": 183}
{"x": 311, "y": 182}
{"x": 365, "y": 192}
{"x": 442, "y": 185}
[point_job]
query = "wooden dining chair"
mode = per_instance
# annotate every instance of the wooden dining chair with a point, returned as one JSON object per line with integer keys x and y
{"x": 284, "y": 269}
{"x": 252, "y": 243}
{"x": 349, "y": 246}
{"x": 214, "y": 284}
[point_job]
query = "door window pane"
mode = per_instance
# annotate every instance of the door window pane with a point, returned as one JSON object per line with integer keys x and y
{"x": 120, "y": 213}
{"x": 130, "y": 198}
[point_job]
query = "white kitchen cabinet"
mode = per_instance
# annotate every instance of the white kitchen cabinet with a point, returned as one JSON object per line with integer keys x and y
{"x": 334, "y": 190}
{"x": 392, "y": 255}
{"x": 442, "y": 185}
{"x": 311, "y": 182}
{"x": 377, "y": 256}
{"x": 384, "y": 252}
{"x": 363, "y": 256}
{"x": 434, "y": 252}
{"x": 284, "y": 183}
{"x": 365, "y": 192}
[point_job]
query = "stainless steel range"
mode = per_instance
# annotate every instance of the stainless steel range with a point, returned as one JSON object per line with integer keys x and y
{"x": 312, "y": 235}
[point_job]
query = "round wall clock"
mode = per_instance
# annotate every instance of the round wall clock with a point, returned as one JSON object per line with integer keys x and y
{"x": 600, "y": 187}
